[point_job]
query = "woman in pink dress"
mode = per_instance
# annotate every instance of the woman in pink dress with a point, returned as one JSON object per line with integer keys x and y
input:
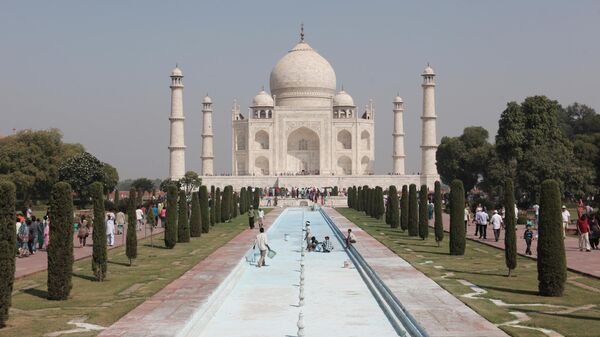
{"x": 46, "y": 232}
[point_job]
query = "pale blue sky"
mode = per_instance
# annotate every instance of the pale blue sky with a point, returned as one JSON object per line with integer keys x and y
{"x": 99, "y": 70}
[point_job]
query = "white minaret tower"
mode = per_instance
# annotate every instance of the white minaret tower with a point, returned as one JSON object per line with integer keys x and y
{"x": 429, "y": 146}
{"x": 207, "y": 137}
{"x": 177, "y": 144}
{"x": 398, "y": 135}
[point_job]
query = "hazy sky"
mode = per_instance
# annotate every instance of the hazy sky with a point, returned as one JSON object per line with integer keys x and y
{"x": 99, "y": 71}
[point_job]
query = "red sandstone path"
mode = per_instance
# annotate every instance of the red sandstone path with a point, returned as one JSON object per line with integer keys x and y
{"x": 580, "y": 262}
{"x": 39, "y": 261}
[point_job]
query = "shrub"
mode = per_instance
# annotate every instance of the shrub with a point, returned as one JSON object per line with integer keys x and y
{"x": 457, "y": 218}
{"x": 217, "y": 204}
{"x": 392, "y": 209}
{"x": 171, "y": 227}
{"x": 204, "y": 213}
{"x": 243, "y": 200}
{"x": 379, "y": 207}
{"x": 60, "y": 248}
{"x": 212, "y": 205}
{"x": 413, "y": 215}
{"x": 234, "y": 204}
{"x": 131, "y": 240}
{"x": 195, "y": 221}
{"x": 8, "y": 242}
{"x": 183, "y": 227}
{"x": 423, "y": 218}
{"x": 510, "y": 235}
{"x": 551, "y": 260}
{"x": 99, "y": 255}
{"x": 438, "y": 222}
{"x": 404, "y": 208}
{"x": 360, "y": 197}
{"x": 256, "y": 202}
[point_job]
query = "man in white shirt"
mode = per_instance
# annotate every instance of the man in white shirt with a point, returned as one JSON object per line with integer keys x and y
{"x": 536, "y": 209}
{"x": 139, "y": 216}
{"x": 261, "y": 215}
{"x": 467, "y": 217}
{"x": 566, "y": 219}
{"x": 263, "y": 245}
{"x": 482, "y": 220}
{"x": 496, "y": 222}
{"x": 110, "y": 231}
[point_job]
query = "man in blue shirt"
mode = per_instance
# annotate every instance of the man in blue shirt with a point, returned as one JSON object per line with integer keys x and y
{"x": 481, "y": 217}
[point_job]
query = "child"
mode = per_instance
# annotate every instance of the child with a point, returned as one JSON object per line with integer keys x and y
{"x": 528, "y": 236}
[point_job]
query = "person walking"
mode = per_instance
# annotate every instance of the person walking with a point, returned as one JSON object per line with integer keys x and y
{"x": 31, "y": 243}
{"x": 251, "y": 217}
{"x": 263, "y": 245}
{"x": 261, "y": 215}
{"x": 23, "y": 238}
{"x": 120, "y": 221}
{"x": 110, "y": 231}
{"x": 467, "y": 217}
{"x": 566, "y": 219}
{"x": 46, "y": 231}
{"x": 139, "y": 217}
{"x": 594, "y": 231}
{"x": 482, "y": 220}
{"x": 528, "y": 236}
{"x": 497, "y": 223}
{"x": 83, "y": 232}
{"x": 40, "y": 233}
{"x": 583, "y": 227}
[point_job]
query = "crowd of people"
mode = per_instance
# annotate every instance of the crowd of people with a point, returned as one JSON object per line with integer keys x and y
{"x": 32, "y": 233}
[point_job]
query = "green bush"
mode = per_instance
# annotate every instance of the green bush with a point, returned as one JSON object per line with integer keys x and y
{"x": 60, "y": 248}
{"x": 438, "y": 222}
{"x": 131, "y": 240}
{"x": 195, "y": 219}
{"x": 379, "y": 207}
{"x": 510, "y": 235}
{"x": 212, "y": 205}
{"x": 204, "y": 213}
{"x": 551, "y": 260}
{"x": 423, "y": 218}
{"x": 183, "y": 226}
{"x": 99, "y": 255}
{"x": 8, "y": 242}
{"x": 360, "y": 199}
{"x": 257, "y": 193}
{"x": 392, "y": 209}
{"x": 404, "y": 208}
{"x": 413, "y": 215}
{"x": 457, "y": 218}
{"x": 218, "y": 205}
{"x": 171, "y": 227}
{"x": 242, "y": 200}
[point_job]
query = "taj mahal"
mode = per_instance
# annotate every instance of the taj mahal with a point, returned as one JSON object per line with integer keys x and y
{"x": 304, "y": 132}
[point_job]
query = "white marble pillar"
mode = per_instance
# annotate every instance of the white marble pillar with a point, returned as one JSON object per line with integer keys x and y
{"x": 207, "y": 137}
{"x": 398, "y": 135}
{"x": 429, "y": 146}
{"x": 177, "y": 141}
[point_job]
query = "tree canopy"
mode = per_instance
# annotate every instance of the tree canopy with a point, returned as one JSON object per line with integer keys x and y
{"x": 190, "y": 182}
{"x": 80, "y": 172}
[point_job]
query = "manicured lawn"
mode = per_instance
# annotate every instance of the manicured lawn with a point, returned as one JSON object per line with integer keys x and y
{"x": 578, "y": 311}
{"x": 103, "y": 303}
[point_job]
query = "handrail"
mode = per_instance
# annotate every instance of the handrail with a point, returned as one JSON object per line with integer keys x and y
{"x": 393, "y": 309}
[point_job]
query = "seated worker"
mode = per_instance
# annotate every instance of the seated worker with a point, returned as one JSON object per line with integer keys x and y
{"x": 326, "y": 245}
{"x": 312, "y": 244}
{"x": 350, "y": 238}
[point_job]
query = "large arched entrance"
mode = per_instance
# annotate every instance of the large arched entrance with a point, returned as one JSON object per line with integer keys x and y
{"x": 303, "y": 155}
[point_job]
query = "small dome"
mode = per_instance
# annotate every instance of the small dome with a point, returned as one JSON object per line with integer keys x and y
{"x": 207, "y": 99}
{"x": 262, "y": 99}
{"x": 428, "y": 71}
{"x": 398, "y": 99}
{"x": 176, "y": 72}
{"x": 343, "y": 99}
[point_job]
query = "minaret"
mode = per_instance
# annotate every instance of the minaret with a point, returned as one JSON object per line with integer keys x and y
{"x": 177, "y": 144}
{"x": 207, "y": 137}
{"x": 398, "y": 135}
{"x": 429, "y": 146}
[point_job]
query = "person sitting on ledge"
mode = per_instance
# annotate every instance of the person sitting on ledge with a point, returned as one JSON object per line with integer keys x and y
{"x": 312, "y": 244}
{"x": 350, "y": 238}
{"x": 326, "y": 245}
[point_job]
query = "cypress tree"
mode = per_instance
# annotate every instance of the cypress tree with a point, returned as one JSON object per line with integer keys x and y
{"x": 394, "y": 221}
{"x": 99, "y": 254}
{"x": 195, "y": 221}
{"x": 551, "y": 260}
{"x": 388, "y": 212}
{"x": 365, "y": 207}
{"x": 510, "y": 235}
{"x": 257, "y": 192}
{"x": 171, "y": 227}
{"x": 116, "y": 199}
{"x": 226, "y": 205}
{"x": 217, "y": 205}
{"x": 151, "y": 221}
{"x": 243, "y": 200}
{"x": 404, "y": 209}
{"x": 457, "y": 218}
{"x": 131, "y": 240}
{"x": 249, "y": 198}
{"x": 212, "y": 205}
{"x": 423, "y": 218}
{"x": 438, "y": 222}
{"x": 60, "y": 248}
{"x": 8, "y": 242}
{"x": 413, "y": 215}
{"x": 183, "y": 226}
{"x": 359, "y": 203}
{"x": 204, "y": 213}
{"x": 235, "y": 205}
{"x": 370, "y": 202}
{"x": 379, "y": 206}
{"x": 349, "y": 199}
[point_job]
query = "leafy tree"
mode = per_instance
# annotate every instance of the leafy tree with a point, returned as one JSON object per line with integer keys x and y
{"x": 439, "y": 221}
{"x": 171, "y": 226}
{"x": 131, "y": 240}
{"x": 423, "y": 218}
{"x": 190, "y": 182}
{"x": 183, "y": 231}
{"x": 203, "y": 194}
{"x": 551, "y": 259}
{"x": 164, "y": 185}
{"x": 510, "y": 236}
{"x": 80, "y": 172}
{"x": 111, "y": 178}
{"x": 195, "y": 219}
{"x": 457, "y": 216}
{"x": 8, "y": 241}
{"x": 578, "y": 119}
{"x": 392, "y": 209}
{"x": 404, "y": 209}
{"x": 60, "y": 248}
{"x": 218, "y": 205}
{"x": 142, "y": 185}
{"x": 413, "y": 215}
{"x": 99, "y": 253}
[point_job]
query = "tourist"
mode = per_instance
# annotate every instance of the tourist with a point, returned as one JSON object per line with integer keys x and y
{"x": 481, "y": 218}
{"x": 312, "y": 244}
{"x": 326, "y": 245}
{"x": 263, "y": 245}
{"x": 536, "y": 209}
{"x": 139, "y": 217}
{"x": 120, "y": 221}
{"x": 46, "y": 231}
{"x": 583, "y": 228}
{"x": 261, "y": 215}
{"x": 594, "y": 231}
{"x": 496, "y": 222}
{"x": 29, "y": 213}
{"x": 32, "y": 227}
{"x": 163, "y": 215}
{"x": 528, "y": 236}
{"x": 566, "y": 219}
{"x": 23, "y": 238}
{"x": 350, "y": 238}
{"x": 430, "y": 210}
{"x": 155, "y": 212}
{"x": 40, "y": 233}
{"x": 467, "y": 217}
{"x": 307, "y": 234}
{"x": 110, "y": 231}
{"x": 83, "y": 232}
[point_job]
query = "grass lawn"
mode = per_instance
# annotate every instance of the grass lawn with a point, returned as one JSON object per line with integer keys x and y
{"x": 577, "y": 313}
{"x": 103, "y": 303}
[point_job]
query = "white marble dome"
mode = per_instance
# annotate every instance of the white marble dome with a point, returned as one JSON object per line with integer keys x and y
{"x": 428, "y": 71}
{"x": 176, "y": 72}
{"x": 302, "y": 72}
{"x": 342, "y": 98}
{"x": 262, "y": 99}
{"x": 398, "y": 99}
{"x": 207, "y": 99}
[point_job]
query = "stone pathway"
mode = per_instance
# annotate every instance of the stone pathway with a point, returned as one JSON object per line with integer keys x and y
{"x": 39, "y": 262}
{"x": 581, "y": 262}
{"x": 439, "y": 312}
